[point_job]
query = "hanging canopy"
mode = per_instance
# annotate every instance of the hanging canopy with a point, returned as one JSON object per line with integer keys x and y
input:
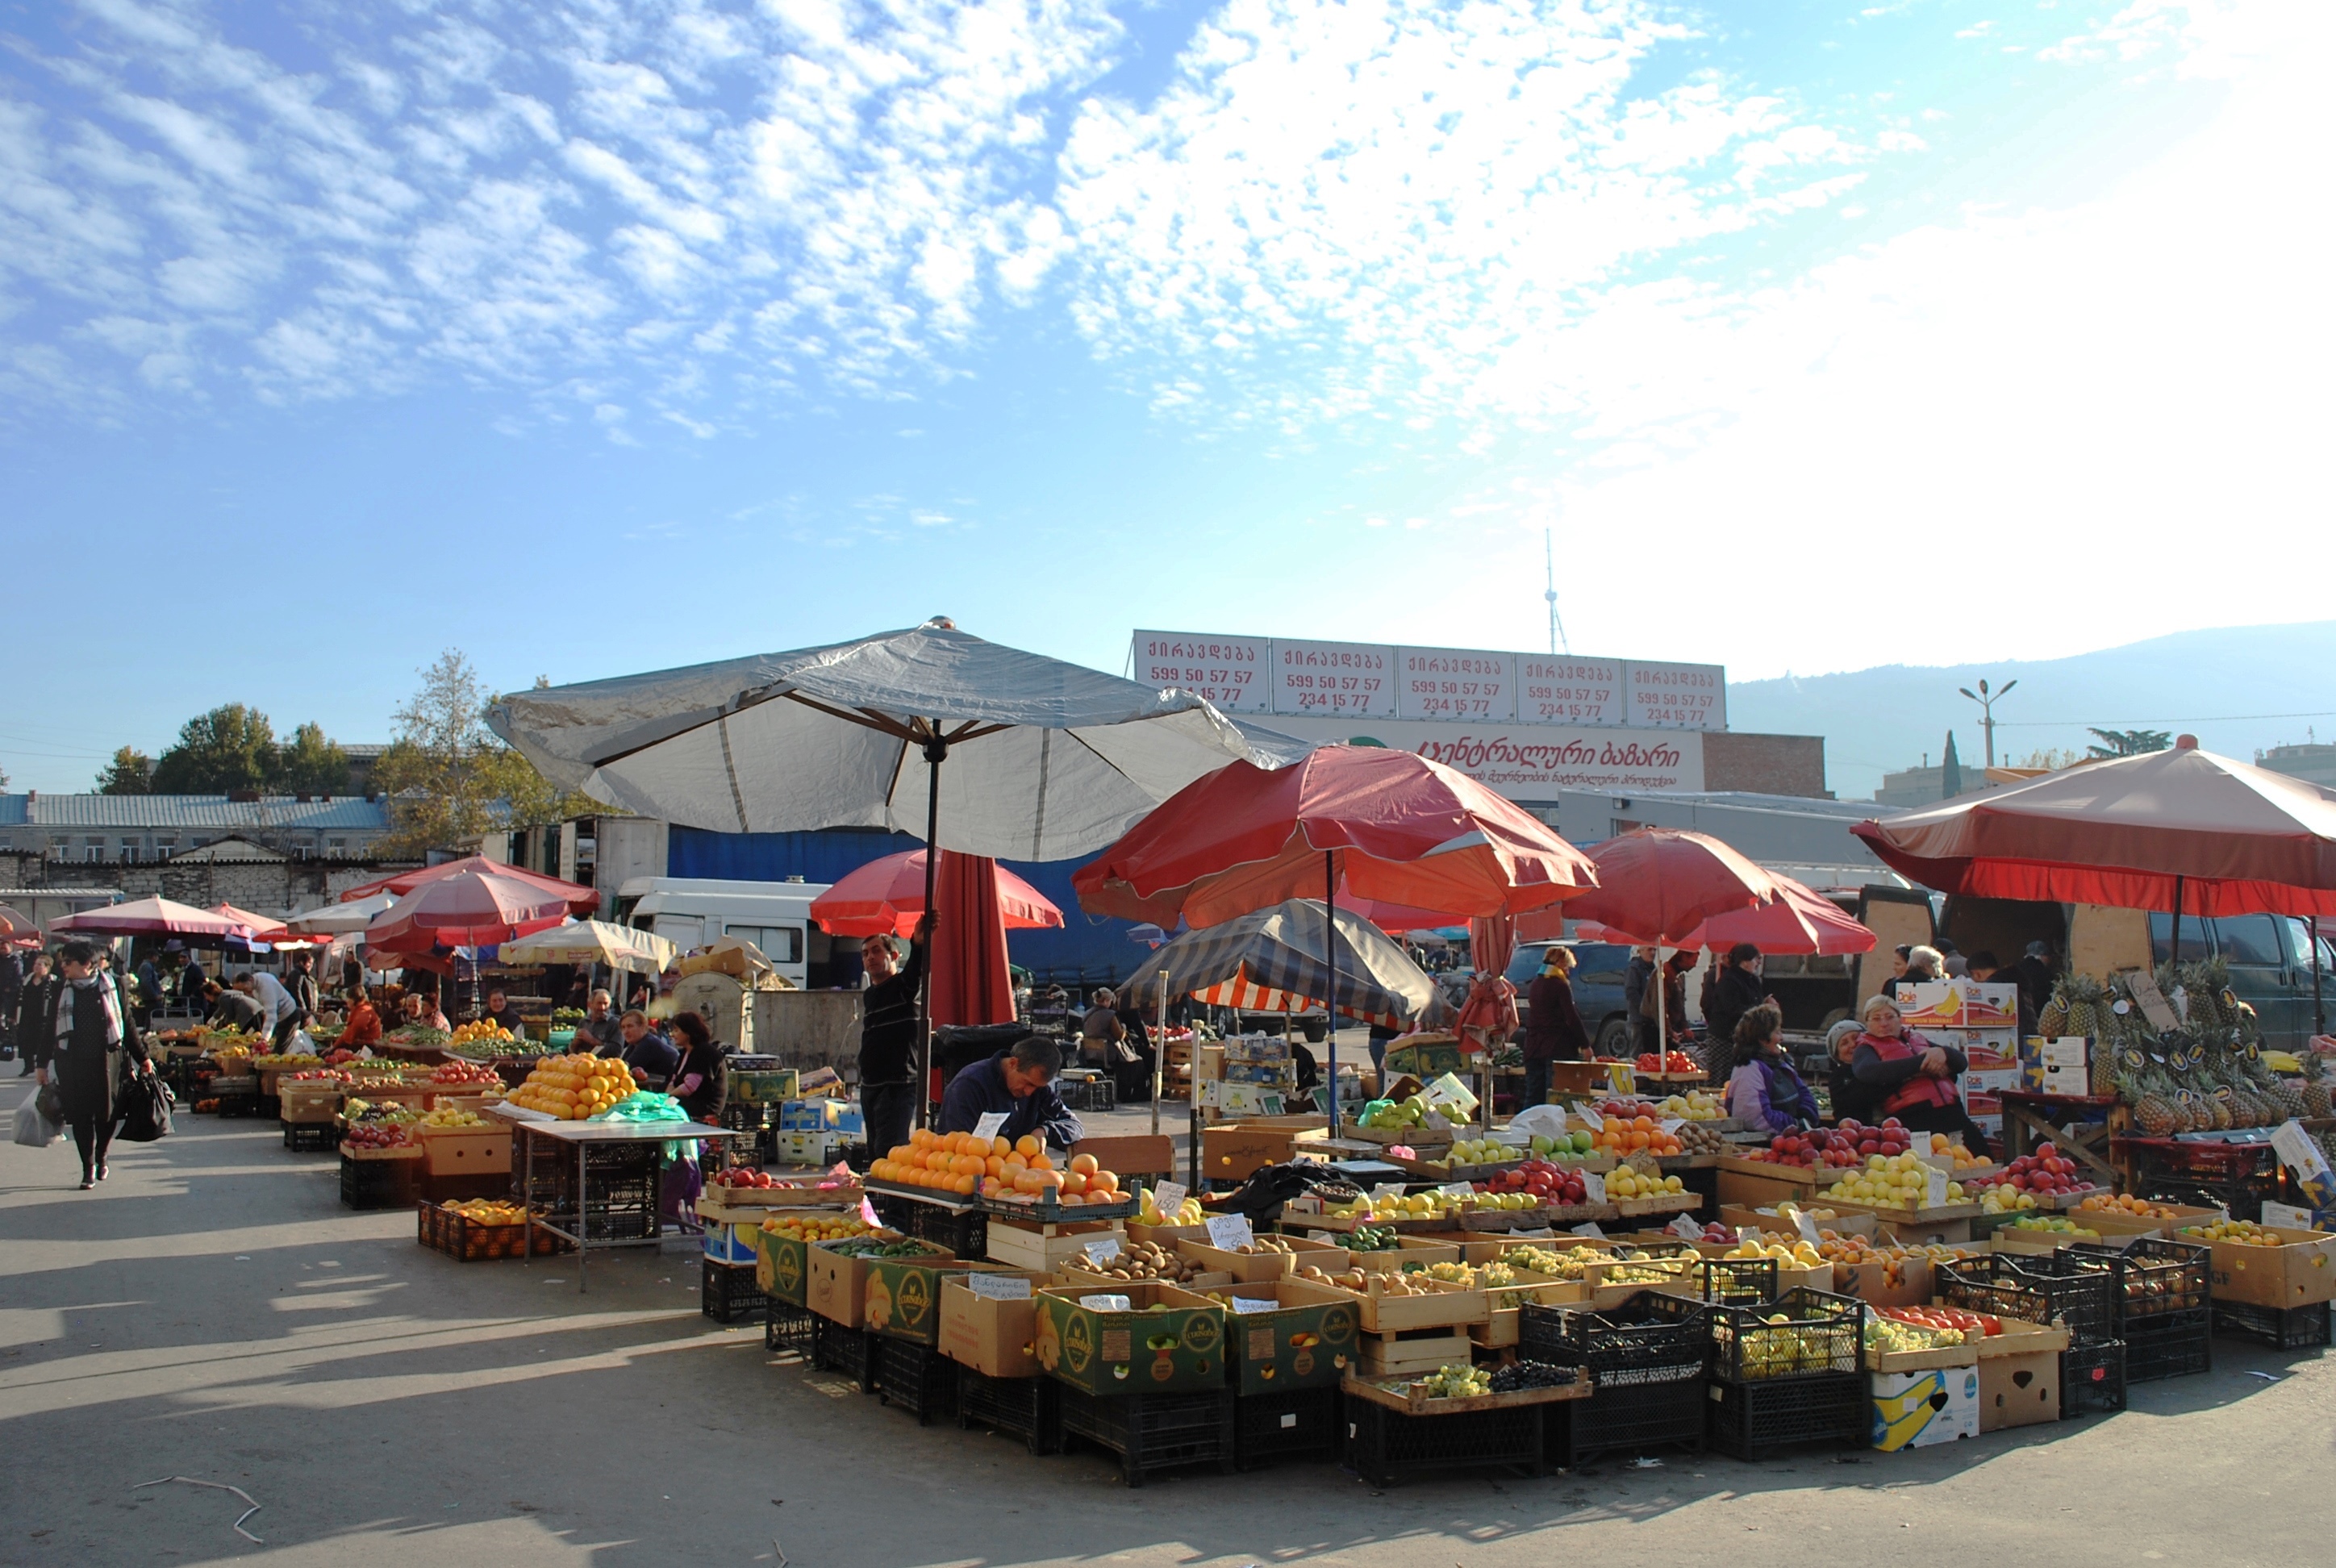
{"x": 17, "y": 929}
{"x": 155, "y": 918}
{"x": 580, "y": 899}
{"x": 885, "y": 897}
{"x": 1398, "y": 828}
{"x": 618, "y": 947}
{"x": 1046, "y": 760}
{"x": 1282, "y": 950}
{"x": 472, "y": 908}
{"x": 2237, "y": 839}
{"x": 970, "y": 980}
{"x": 1666, "y": 882}
{"x": 1796, "y": 921}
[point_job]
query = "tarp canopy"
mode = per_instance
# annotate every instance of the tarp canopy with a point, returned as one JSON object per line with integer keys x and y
{"x": 2238, "y": 839}
{"x": 1045, "y": 760}
{"x": 1283, "y": 948}
{"x": 623, "y": 947}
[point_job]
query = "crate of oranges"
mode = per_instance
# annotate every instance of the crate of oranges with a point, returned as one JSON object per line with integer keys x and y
{"x": 1018, "y": 1172}
{"x": 570, "y": 1089}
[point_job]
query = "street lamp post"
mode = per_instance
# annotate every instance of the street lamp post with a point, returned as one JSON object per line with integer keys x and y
{"x": 1987, "y": 700}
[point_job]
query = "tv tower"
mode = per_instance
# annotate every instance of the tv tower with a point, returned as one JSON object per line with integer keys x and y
{"x": 1548, "y": 567}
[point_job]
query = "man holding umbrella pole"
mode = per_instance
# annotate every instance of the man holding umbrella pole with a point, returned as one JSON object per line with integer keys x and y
{"x": 887, "y": 1035}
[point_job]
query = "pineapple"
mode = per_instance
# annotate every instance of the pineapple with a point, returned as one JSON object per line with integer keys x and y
{"x": 2316, "y": 1102}
{"x": 2155, "y": 1116}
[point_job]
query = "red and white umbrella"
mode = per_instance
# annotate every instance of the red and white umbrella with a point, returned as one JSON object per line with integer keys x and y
{"x": 580, "y": 899}
{"x": 155, "y": 918}
{"x": 471, "y": 908}
{"x": 1796, "y": 921}
{"x": 886, "y": 897}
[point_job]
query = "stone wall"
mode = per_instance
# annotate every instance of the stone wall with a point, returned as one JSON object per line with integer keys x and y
{"x": 1777, "y": 764}
{"x": 263, "y": 887}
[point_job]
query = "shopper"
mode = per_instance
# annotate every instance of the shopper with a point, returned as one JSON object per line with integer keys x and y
{"x": 1018, "y": 1081}
{"x": 1924, "y": 966}
{"x": 1635, "y": 975}
{"x": 232, "y": 1009}
{"x": 31, "y": 1007}
{"x": 1916, "y": 1079}
{"x": 888, "y": 1035}
{"x": 150, "y": 991}
{"x": 599, "y": 1032}
{"x": 194, "y": 986}
{"x": 281, "y": 1013}
{"x": 362, "y": 1027}
{"x": 2033, "y": 975}
{"x": 88, "y": 1039}
{"x": 648, "y": 1051}
{"x": 701, "y": 1080}
{"x": 1736, "y": 992}
{"x": 1554, "y": 1030}
{"x": 302, "y": 984}
{"x": 421, "y": 1010}
{"x": 1103, "y": 1035}
{"x": 12, "y": 995}
{"x": 1767, "y": 1092}
{"x": 1672, "y": 993}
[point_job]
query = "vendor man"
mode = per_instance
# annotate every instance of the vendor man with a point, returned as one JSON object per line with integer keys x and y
{"x": 1020, "y": 1082}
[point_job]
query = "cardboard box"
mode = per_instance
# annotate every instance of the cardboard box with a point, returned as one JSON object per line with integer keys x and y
{"x": 764, "y": 1086}
{"x": 1104, "y": 1350}
{"x": 994, "y": 1338}
{"x": 731, "y": 1242}
{"x": 1140, "y": 1154}
{"x": 823, "y": 1116}
{"x": 2018, "y": 1390}
{"x": 1912, "y": 1284}
{"x": 1236, "y": 1149}
{"x": 1246, "y": 1268}
{"x": 806, "y": 1148}
{"x": 1926, "y": 1408}
{"x": 900, "y": 1298}
{"x": 2296, "y": 1273}
{"x": 1244, "y": 1099}
{"x": 780, "y": 1267}
{"x": 1307, "y": 1340}
{"x": 835, "y": 1284}
{"x": 468, "y": 1152}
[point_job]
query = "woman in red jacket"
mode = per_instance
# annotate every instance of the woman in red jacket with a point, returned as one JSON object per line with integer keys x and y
{"x": 1915, "y": 1080}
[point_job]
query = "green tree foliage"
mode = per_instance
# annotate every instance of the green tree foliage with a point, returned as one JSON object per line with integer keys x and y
{"x": 231, "y": 747}
{"x": 449, "y": 777}
{"x": 2130, "y": 741}
{"x": 130, "y": 773}
{"x": 311, "y": 765}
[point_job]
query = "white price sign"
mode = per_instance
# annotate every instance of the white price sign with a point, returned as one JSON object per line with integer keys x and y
{"x": 1229, "y": 671}
{"x": 999, "y": 1287}
{"x": 1334, "y": 679}
{"x": 1102, "y": 1250}
{"x": 1114, "y": 1303}
{"x": 1589, "y": 1229}
{"x": 1168, "y": 1197}
{"x": 1230, "y": 1233}
{"x": 1676, "y": 695}
{"x": 1245, "y": 1305}
{"x": 1593, "y": 1187}
{"x": 987, "y": 1127}
{"x": 1934, "y": 1195}
{"x": 1806, "y": 1226}
{"x": 1453, "y": 683}
{"x": 1569, "y": 690}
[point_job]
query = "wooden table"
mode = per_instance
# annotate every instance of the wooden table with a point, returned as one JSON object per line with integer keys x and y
{"x": 2078, "y": 1124}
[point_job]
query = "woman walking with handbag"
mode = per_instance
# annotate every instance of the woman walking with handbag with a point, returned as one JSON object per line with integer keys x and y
{"x": 89, "y": 1040}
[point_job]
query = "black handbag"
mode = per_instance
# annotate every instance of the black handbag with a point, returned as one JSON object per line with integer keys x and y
{"x": 146, "y": 1103}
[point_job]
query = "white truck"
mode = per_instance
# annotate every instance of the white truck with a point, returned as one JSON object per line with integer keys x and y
{"x": 694, "y": 913}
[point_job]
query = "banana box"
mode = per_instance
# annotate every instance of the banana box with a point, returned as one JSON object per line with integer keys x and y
{"x": 1140, "y": 1338}
{"x": 1283, "y": 1336}
{"x": 902, "y": 1297}
{"x": 1925, "y": 1408}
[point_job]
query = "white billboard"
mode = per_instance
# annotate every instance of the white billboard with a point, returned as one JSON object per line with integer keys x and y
{"x": 1559, "y": 688}
{"x": 1229, "y": 671}
{"x": 1456, "y": 683}
{"x": 1677, "y": 696}
{"x": 1525, "y": 761}
{"x": 1353, "y": 679}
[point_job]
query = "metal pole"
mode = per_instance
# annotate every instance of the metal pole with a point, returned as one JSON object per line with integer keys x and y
{"x": 2319, "y": 1007}
{"x": 2175, "y": 956}
{"x": 936, "y": 748}
{"x": 1331, "y": 952}
{"x": 1159, "y": 1054}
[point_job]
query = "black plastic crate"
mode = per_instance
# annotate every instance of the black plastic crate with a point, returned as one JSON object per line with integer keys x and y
{"x": 311, "y": 1137}
{"x": 2077, "y": 1293}
{"x": 1628, "y": 1419}
{"x": 244, "y": 1105}
{"x": 850, "y": 1351}
{"x": 787, "y": 1327}
{"x": 2092, "y": 1379}
{"x": 1087, "y": 1094}
{"x": 2172, "y": 1345}
{"x": 377, "y": 1183}
{"x": 1384, "y": 1446}
{"x": 1029, "y": 1407}
{"x": 1152, "y": 1432}
{"x": 268, "y": 1105}
{"x": 965, "y": 1232}
{"x": 1822, "y": 1337}
{"x": 1757, "y": 1420}
{"x": 919, "y": 1380}
{"x": 2280, "y": 1328}
{"x": 1739, "y": 1281}
{"x": 1650, "y": 1337}
{"x": 2154, "y": 1278}
{"x": 727, "y": 1292}
{"x": 1301, "y": 1423}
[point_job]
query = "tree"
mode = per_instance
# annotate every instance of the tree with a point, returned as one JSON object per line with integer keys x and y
{"x": 130, "y": 773}
{"x": 311, "y": 765}
{"x": 450, "y": 778}
{"x": 2049, "y": 758}
{"x": 232, "y": 747}
{"x": 2130, "y": 741}
{"x": 1951, "y": 771}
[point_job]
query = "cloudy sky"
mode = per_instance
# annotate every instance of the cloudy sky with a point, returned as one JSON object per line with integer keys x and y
{"x": 596, "y": 338}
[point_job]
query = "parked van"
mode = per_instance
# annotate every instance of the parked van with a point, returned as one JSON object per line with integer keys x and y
{"x": 694, "y": 913}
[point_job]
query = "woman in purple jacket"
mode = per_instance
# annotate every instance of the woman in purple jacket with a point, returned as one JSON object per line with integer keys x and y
{"x": 1766, "y": 1093}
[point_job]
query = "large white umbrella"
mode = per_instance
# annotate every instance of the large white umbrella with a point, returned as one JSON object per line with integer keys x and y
{"x": 593, "y": 942}
{"x": 340, "y": 919}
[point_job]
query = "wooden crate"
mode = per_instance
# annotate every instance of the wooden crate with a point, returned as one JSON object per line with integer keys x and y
{"x": 1399, "y": 1356}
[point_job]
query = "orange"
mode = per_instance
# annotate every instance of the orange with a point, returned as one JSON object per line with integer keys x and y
{"x": 1084, "y": 1164}
{"x": 962, "y": 1185}
{"x": 1001, "y": 1147}
{"x": 1103, "y": 1184}
{"x": 1028, "y": 1147}
{"x": 994, "y": 1166}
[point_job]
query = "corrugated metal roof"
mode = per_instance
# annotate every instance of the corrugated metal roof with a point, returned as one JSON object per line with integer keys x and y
{"x": 229, "y": 849}
{"x": 341, "y": 812}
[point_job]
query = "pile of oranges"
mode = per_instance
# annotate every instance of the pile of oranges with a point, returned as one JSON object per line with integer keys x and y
{"x": 964, "y": 1164}
{"x": 573, "y": 1087}
{"x": 1635, "y": 1136}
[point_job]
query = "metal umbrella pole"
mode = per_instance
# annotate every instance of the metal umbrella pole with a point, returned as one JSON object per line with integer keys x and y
{"x": 1330, "y": 955}
{"x": 1160, "y": 1054}
{"x": 936, "y": 751}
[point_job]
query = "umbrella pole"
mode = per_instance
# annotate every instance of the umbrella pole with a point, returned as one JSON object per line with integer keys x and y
{"x": 1662, "y": 984}
{"x": 936, "y": 748}
{"x": 2319, "y": 1007}
{"x": 1331, "y": 952}
{"x": 1159, "y": 1053}
{"x": 2175, "y": 956}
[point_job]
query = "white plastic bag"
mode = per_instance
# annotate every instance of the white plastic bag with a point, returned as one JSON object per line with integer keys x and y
{"x": 300, "y": 1045}
{"x": 33, "y": 1130}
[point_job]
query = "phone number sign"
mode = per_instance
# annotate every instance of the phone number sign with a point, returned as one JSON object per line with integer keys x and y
{"x": 1355, "y": 679}
{"x": 1456, "y": 683}
{"x": 1230, "y": 672}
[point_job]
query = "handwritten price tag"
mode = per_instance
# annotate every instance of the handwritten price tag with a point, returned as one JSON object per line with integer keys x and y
{"x": 999, "y": 1287}
{"x": 1114, "y": 1303}
{"x": 990, "y": 1122}
{"x": 1168, "y": 1197}
{"x": 1245, "y": 1305}
{"x": 1590, "y": 1117}
{"x": 1593, "y": 1187}
{"x": 1806, "y": 1227}
{"x": 1589, "y": 1229}
{"x": 1230, "y": 1233}
{"x": 1935, "y": 1194}
{"x": 1102, "y": 1250}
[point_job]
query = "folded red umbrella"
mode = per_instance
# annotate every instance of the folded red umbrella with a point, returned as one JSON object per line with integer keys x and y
{"x": 885, "y": 897}
{"x": 970, "y": 982}
{"x": 1398, "y": 828}
{"x": 580, "y": 899}
{"x": 470, "y": 907}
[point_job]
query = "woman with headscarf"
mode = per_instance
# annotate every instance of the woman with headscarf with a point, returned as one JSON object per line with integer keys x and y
{"x": 88, "y": 1040}
{"x": 1916, "y": 1080}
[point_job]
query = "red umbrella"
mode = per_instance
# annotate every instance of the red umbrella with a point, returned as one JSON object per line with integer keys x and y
{"x": 1396, "y": 827}
{"x": 2169, "y": 830}
{"x": 261, "y": 929}
{"x": 970, "y": 984}
{"x": 154, "y": 918}
{"x": 885, "y": 897}
{"x": 474, "y": 907}
{"x": 18, "y": 930}
{"x": 1797, "y": 921}
{"x": 581, "y": 900}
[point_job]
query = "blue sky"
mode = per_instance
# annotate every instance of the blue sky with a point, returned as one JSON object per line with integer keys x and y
{"x": 590, "y": 338}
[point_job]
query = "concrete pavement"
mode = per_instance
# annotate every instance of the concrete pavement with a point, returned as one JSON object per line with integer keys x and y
{"x": 211, "y": 1311}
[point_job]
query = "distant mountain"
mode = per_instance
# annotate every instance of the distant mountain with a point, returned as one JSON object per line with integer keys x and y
{"x": 2238, "y": 689}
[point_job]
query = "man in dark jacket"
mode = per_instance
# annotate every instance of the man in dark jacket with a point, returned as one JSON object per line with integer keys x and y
{"x": 1735, "y": 991}
{"x": 1554, "y": 1030}
{"x": 1018, "y": 1082}
{"x": 1635, "y": 975}
{"x": 888, "y": 1038}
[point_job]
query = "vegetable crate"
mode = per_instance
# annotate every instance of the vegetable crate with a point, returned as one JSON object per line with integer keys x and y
{"x": 1821, "y": 1336}
{"x": 469, "y": 1240}
{"x": 1149, "y": 1432}
{"x": 1646, "y": 1359}
{"x": 378, "y": 1184}
{"x": 2172, "y": 1345}
{"x": 1087, "y": 1094}
{"x": 311, "y": 1137}
{"x": 1384, "y": 1446}
{"x": 2282, "y": 1327}
{"x": 1028, "y": 1408}
{"x": 727, "y": 1292}
{"x": 852, "y": 1351}
{"x": 1757, "y": 1420}
{"x": 964, "y": 1232}
{"x": 1628, "y": 1419}
{"x": 916, "y": 1377}
{"x": 2092, "y": 1379}
{"x": 1295, "y": 1424}
{"x": 2076, "y": 1293}
{"x": 786, "y": 1328}
{"x": 2154, "y": 1279}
